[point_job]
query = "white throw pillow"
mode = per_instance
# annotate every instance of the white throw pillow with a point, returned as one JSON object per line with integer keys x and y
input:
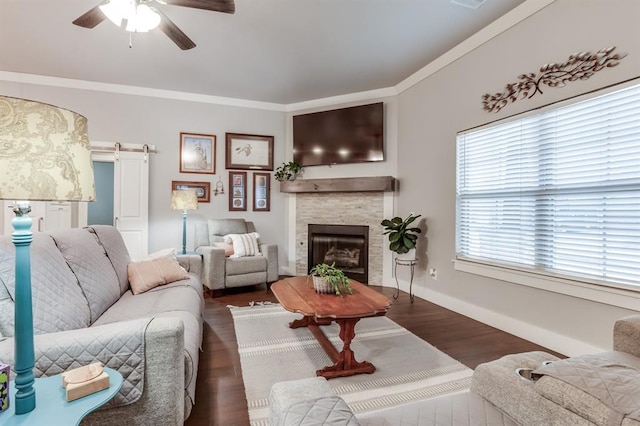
{"x": 244, "y": 244}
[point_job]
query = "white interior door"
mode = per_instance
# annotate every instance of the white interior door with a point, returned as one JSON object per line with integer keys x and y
{"x": 131, "y": 201}
{"x": 130, "y": 195}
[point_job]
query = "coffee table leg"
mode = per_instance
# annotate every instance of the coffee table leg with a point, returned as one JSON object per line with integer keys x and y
{"x": 346, "y": 364}
{"x": 307, "y": 321}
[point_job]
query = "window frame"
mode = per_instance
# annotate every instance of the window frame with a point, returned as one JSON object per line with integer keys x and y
{"x": 612, "y": 293}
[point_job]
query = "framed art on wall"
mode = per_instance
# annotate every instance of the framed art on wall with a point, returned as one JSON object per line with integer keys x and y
{"x": 248, "y": 152}
{"x": 238, "y": 191}
{"x": 261, "y": 192}
{"x": 203, "y": 189}
{"x": 197, "y": 153}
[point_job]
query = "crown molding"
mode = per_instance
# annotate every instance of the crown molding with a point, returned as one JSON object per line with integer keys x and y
{"x": 69, "y": 83}
{"x": 342, "y": 99}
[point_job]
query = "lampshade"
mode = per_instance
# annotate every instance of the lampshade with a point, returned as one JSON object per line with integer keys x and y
{"x": 44, "y": 153}
{"x": 140, "y": 17}
{"x": 184, "y": 199}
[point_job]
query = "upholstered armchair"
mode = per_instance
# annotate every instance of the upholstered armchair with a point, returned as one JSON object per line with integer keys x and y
{"x": 221, "y": 269}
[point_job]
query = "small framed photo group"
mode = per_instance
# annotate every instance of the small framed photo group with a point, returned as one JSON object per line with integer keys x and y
{"x": 238, "y": 191}
{"x": 261, "y": 191}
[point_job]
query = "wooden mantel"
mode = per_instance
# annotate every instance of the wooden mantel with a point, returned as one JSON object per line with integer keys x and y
{"x": 357, "y": 184}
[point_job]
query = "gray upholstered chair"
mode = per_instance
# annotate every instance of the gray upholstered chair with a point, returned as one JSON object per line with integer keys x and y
{"x": 220, "y": 272}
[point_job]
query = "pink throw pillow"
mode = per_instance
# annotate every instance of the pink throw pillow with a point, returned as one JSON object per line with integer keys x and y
{"x": 153, "y": 272}
{"x": 227, "y": 246}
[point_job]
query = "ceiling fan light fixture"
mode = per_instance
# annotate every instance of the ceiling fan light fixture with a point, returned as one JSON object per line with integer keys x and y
{"x": 118, "y": 10}
{"x": 143, "y": 20}
{"x": 140, "y": 17}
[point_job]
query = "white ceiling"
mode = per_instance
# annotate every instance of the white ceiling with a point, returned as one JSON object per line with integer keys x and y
{"x": 277, "y": 51}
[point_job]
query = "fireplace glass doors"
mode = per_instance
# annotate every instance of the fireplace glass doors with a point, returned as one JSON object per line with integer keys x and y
{"x": 345, "y": 245}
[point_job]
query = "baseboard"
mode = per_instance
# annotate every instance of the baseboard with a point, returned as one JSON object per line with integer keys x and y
{"x": 557, "y": 342}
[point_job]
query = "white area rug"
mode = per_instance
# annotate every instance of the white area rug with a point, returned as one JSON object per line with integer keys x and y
{"x": 408, "y": 368}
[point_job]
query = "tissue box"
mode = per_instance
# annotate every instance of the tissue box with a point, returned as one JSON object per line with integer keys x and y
{"x": 4, "y": 387}
{"x": 83, "y": 381}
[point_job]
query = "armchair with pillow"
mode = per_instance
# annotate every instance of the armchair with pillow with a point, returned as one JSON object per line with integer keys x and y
{"x": 233, "y": 255}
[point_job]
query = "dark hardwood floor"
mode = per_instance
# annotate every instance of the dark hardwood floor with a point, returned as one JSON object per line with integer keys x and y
{"x": 220, "y": 396}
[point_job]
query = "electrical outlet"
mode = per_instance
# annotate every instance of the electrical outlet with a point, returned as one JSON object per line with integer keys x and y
{"x": 433, "y": 273}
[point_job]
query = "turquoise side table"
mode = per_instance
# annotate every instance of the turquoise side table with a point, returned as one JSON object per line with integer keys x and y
{"x": 52, "y": 407}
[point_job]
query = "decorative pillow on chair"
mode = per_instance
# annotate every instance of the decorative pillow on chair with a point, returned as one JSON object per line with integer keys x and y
{"x": 157, "y": 269}
{"x": 244, "y": 244}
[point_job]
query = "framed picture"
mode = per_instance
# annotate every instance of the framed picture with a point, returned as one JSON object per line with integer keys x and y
{"x": 238, "y": 191}
{"x": 249, "y": 152}
{"x": 261, "y": 192}
{"x": 203, "y": 189}
{"x": 197, "y": 153}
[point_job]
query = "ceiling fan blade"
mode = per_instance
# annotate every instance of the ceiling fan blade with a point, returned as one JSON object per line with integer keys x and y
{"x": 224, "y": 6}
{"x": 174, "y": 33}
{"x": 90, "y": 19}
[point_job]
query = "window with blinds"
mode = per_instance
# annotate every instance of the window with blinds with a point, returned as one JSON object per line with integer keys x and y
{"x": 556, "y": 192}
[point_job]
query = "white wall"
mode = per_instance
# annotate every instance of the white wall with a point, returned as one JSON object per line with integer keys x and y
{"x": 156, "y": 121}
{"x": 431, "y": 112}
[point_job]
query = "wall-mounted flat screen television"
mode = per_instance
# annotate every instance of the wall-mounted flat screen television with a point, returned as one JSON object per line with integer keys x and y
{"x": 345, "y": 135}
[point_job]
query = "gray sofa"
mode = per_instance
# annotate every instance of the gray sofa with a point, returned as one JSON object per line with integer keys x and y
{"x": 84, "y": 311}
{"x": 527, "y": 389}
{"x": 220, "y": 272}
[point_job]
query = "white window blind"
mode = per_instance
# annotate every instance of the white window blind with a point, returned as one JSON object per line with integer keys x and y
{"x": 556, "y": 192}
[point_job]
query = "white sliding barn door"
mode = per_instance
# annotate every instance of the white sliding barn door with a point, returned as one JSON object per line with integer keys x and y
{"x": 131, "y": 201}
{"x": 130, "y": 194}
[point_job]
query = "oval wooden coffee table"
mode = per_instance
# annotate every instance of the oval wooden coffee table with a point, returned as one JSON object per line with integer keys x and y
{"x": 296, "y": 294}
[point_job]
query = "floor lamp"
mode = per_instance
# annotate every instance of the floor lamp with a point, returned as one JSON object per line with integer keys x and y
{"x": 44, "y": 156}
{"x": 184, "y": 200}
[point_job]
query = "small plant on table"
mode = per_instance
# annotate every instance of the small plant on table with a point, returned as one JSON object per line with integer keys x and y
{"x": 333, "y": 276}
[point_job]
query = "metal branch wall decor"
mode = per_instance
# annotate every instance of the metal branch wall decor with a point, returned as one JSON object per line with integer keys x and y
{"x": 579, "y": 66}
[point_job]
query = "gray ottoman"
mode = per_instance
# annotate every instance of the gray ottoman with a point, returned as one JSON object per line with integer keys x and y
{"x": 326, "y": 411}
{"x": 304, "y": 401}
{"x": 284, "y": 394}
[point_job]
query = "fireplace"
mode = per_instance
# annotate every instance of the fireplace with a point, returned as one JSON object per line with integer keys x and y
{"x": 345, "y": 245}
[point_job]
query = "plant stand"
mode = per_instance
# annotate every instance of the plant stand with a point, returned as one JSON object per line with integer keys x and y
{"x": 411, "y": 263}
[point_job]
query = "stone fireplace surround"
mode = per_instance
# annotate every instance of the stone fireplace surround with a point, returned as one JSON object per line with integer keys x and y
{"x": 341, "y": 208}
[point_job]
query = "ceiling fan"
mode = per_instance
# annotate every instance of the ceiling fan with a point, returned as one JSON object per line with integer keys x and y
{"x": 140, "y": 16}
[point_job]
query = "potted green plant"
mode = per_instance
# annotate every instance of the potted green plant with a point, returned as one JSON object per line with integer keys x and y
{"x": 329, "y": 279}
{"x": 402, "y": 238}
{"x": 287, "y": 171}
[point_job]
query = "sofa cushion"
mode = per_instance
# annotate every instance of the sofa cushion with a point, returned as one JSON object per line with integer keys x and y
{"x": 150, "y": 273}
{"x": 58, "y": 302}
{"x": 245, "y": 265}
{"x": 113, "y": 244}
{"x": 166, "y": 298}
{"x": 88, "y": 260}
{"x": 244, "y": 244}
